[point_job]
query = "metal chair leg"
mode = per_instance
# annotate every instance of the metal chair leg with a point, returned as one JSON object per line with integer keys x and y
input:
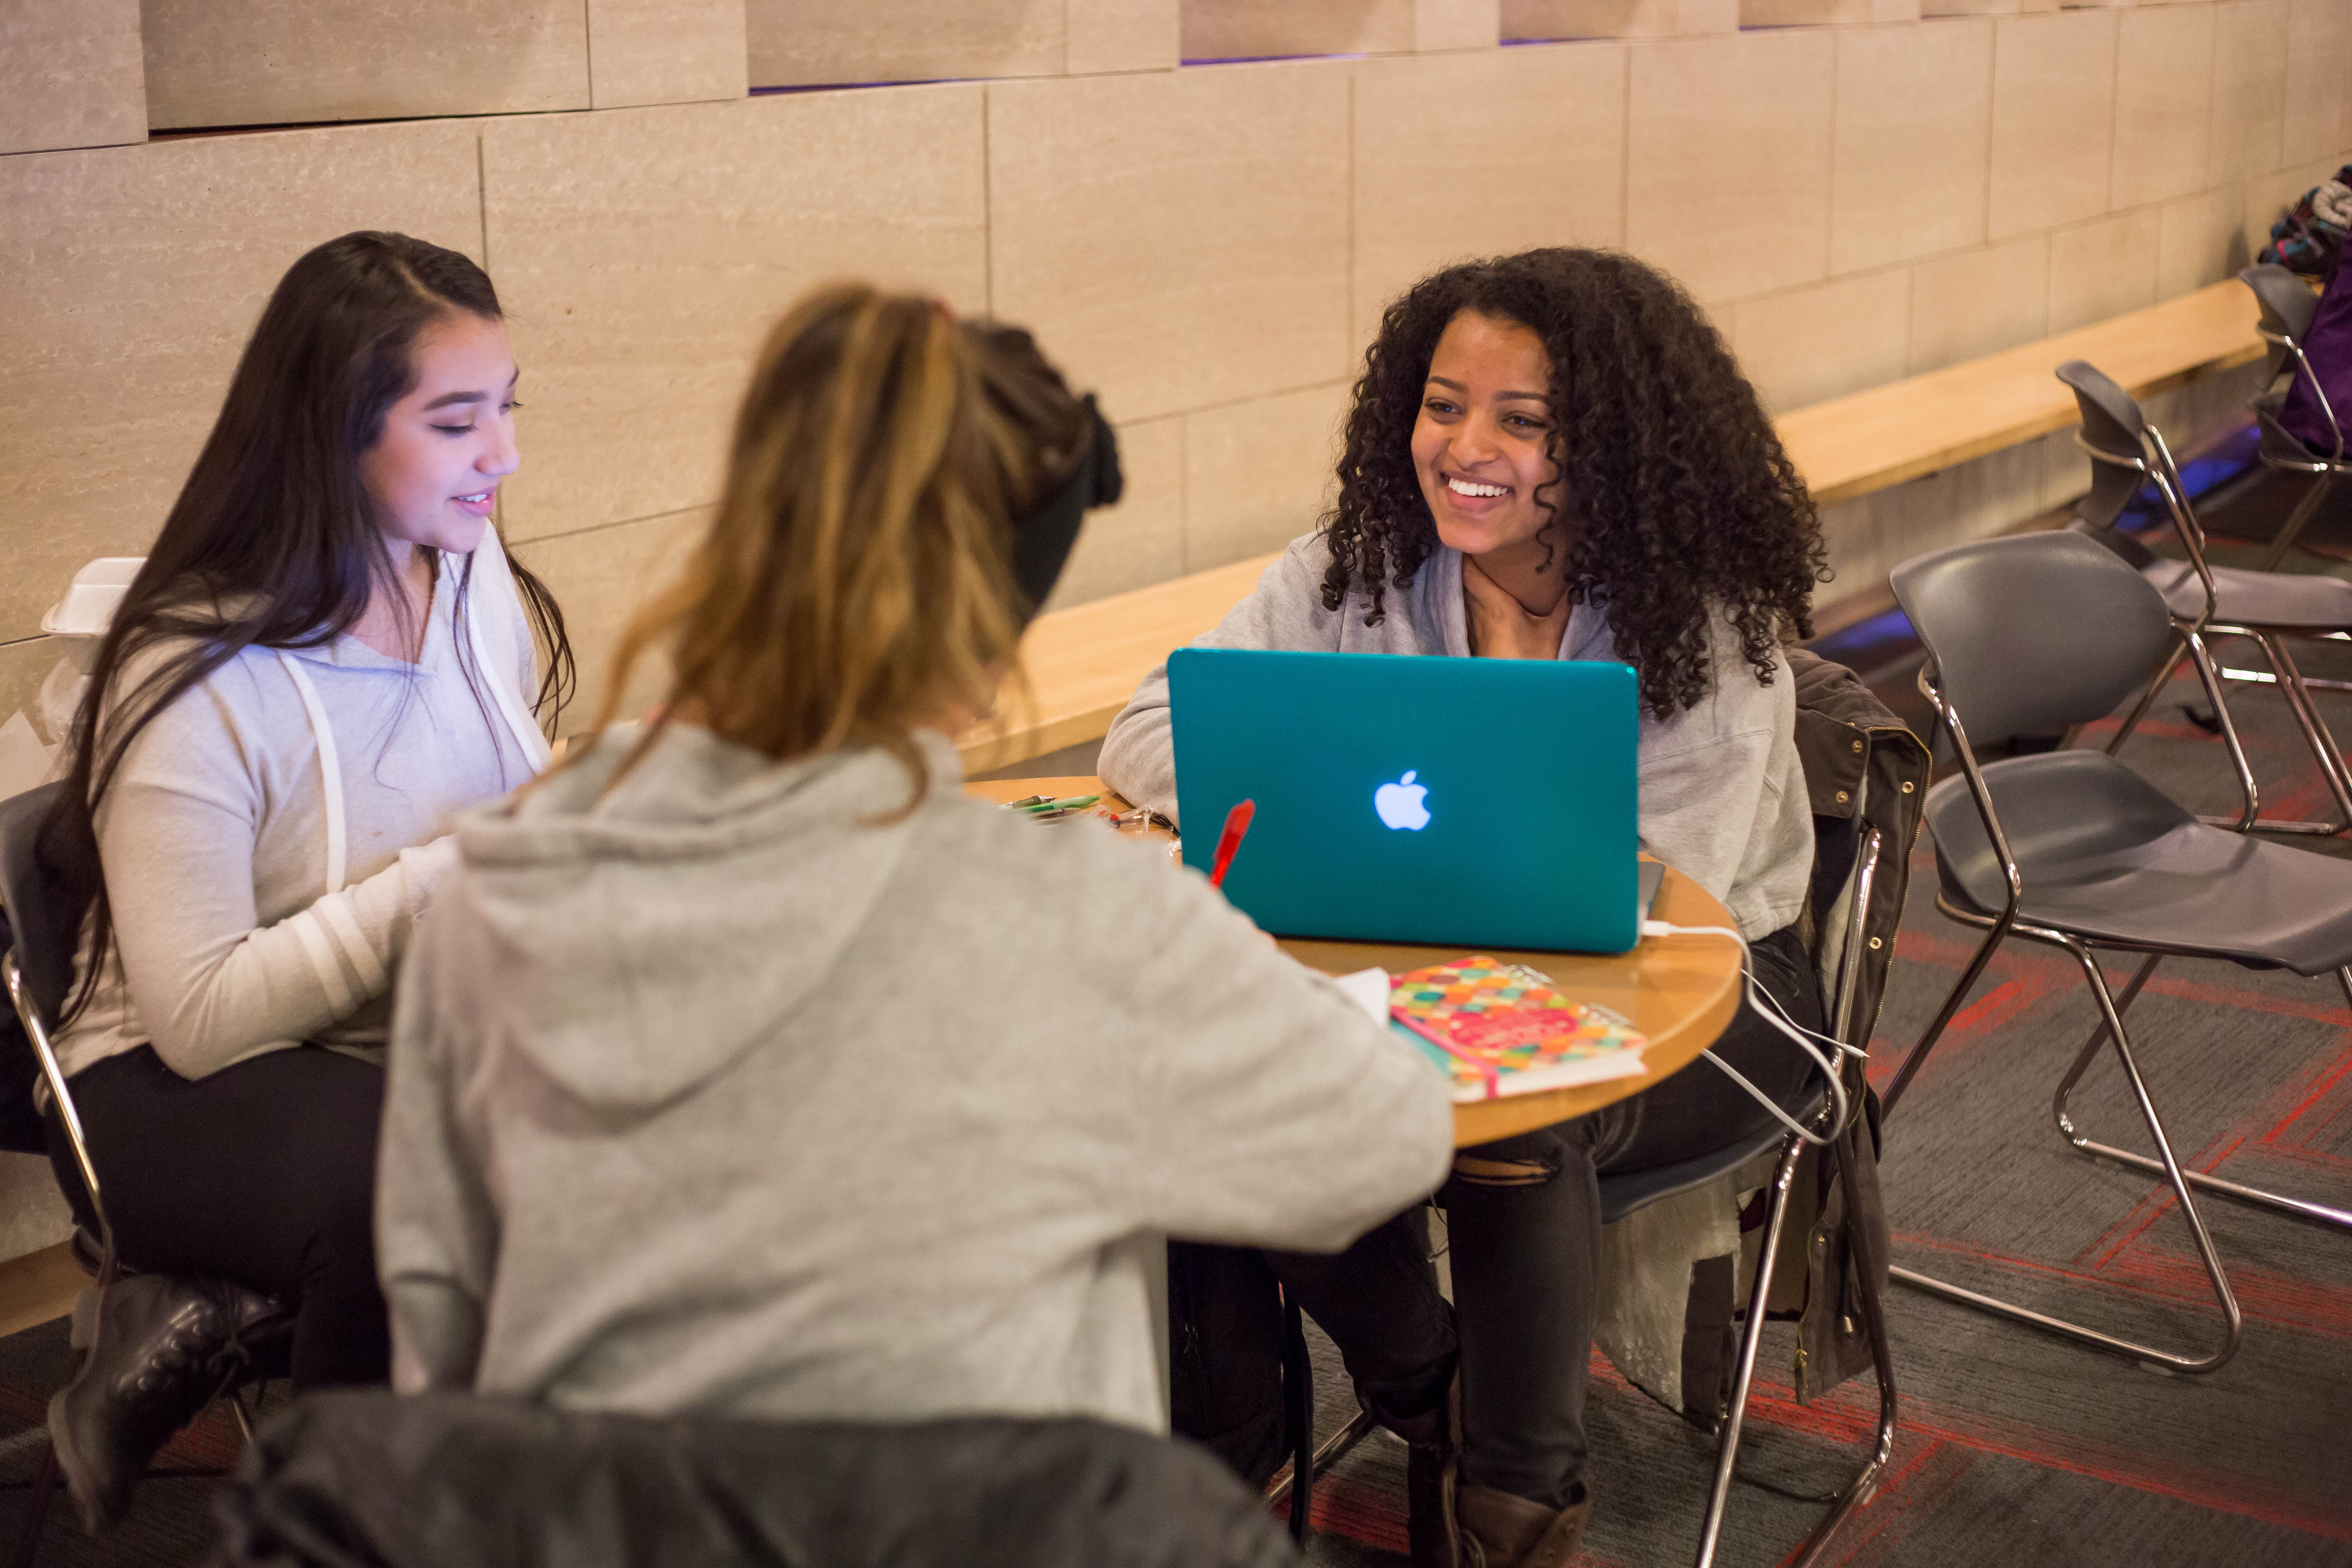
{"x": 2323, "y": 749}
{"x": 1727, "y": 1456}
{"x": 2300, "y": 1208}
{"x": 240, "y": 1414}
{"x": 2296, "y": 520}
{"x": 1952, "y": 1000}
{"x": 1298, "y": 1413}
{"x": 2163, "y": 1361}
{"x": 2147, "y": 698}
{"x": 36, "y": 1512}
{"x": 1865, "y": 1485}
{"x": 2201, "y": 661}
{"x": 1330, "y": 1452}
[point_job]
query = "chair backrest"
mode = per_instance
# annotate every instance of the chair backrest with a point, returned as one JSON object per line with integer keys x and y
{"x": 2032, "y": 634}
{"x": 2112, "y": 422}
{"x": 2286, "y": 302}
{"x": 45, "y": 939}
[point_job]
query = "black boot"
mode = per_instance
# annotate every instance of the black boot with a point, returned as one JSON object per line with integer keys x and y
{"x": 165, "y": 1346}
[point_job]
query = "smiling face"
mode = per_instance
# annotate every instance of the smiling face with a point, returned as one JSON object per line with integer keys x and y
{"x": 1478, "y": 444}
{"x": 434, "y": 473}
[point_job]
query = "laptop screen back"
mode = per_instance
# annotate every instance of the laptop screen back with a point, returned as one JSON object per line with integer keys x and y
{"x": 1476, "y": 802}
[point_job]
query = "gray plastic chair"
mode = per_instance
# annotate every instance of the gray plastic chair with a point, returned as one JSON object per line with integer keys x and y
{"x": 2032, "y": 635}
{"x": 2288, "y": 306}
{"x": 2208, "y": 602}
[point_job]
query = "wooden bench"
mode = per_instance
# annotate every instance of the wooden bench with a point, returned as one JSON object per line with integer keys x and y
{"x": 1083, "y": 662}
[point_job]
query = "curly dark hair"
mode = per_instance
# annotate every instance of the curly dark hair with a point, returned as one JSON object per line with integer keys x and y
{"x": 1681, "y": 497}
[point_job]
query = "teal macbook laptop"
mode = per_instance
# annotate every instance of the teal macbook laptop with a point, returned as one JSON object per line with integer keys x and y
{"x": 1469, "y": 802}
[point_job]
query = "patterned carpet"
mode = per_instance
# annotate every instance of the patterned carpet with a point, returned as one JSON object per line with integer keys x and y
{"x": 2015, "y": 1448}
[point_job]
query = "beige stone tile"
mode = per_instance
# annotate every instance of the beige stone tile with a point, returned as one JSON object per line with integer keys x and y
{"x": 70, "y": 75}
{"x": 2065, "y": 470}
{"x": 2318, "y": 63}
{"x": 2164, "y": 103}
{"x": 1818, "y": 343}
{"x": 1996, "y": 493}
{"x": 1259, "y": 474}
{"x": 1178, "y": 238}
{"x": 134, "y": 276}
{"x": 829, "y": 43}
{"x": 665, "y": 51}
{"x": 2053, "y": 120}
{"x": 1618, "y": 18}
{"x": 2102, "y": 269}
{"x": 282, "y": 62}
{"x": 1140, "y": 541}
{"x": 1537, "y": 134}
{"x": 1120, "y": 36}
{"x": 2249, "y": 89}
{"x": 600, "y": 577}
{"x": 1984, "y": 8}
{"x": 1965, "y": 306}
{"x": 1252, "y": 29}
{"x": 24, "y": 665}
{"x": 1826, "y": 13}
{"x": 643, "y": 254}
{"x": 1456, "y": 23}
{"x": 32, "y": 1213}
{"x": 1727, "y": 162}
{"x": 2203, "y": 240}
{"x": 1914, "y": 126}
{"x": 1850, "y": 531}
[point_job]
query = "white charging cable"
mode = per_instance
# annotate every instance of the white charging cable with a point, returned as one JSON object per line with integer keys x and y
{"x": 1770, "y": 1012}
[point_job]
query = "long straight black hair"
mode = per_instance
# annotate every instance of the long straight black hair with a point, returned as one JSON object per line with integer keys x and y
{"x": 274, "y": 541}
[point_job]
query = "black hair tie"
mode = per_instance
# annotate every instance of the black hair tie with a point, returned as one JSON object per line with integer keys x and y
{"x": 1042, "y": 539}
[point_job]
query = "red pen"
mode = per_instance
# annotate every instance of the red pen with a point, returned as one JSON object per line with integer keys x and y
{"x": 1237, "y": 822}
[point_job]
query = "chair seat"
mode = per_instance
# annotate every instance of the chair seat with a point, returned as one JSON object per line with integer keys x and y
{"x": 1622, "y": 1194}
{"x": 2104, "y": 855}
{"x": 2288, "y": 601}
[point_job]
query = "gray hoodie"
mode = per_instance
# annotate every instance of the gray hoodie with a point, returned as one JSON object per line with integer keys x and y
{"x": 1722, "y": 789}
{"x": 715, "y": 1094}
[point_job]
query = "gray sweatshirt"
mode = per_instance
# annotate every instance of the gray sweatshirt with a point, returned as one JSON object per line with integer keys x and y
{"x": 273, "y": 835}
{"x": 1722, "y": 790}
{"x": 725, "y": 1093}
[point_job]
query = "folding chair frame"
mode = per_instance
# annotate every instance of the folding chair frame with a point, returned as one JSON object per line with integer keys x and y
{"x": 2154, "y": 461}
{"x": 2285, "y": 348}
{"x": 45, "y": 1481}
{"x": 2110, "y": 1029}
{"x": 1857, "y": 1492}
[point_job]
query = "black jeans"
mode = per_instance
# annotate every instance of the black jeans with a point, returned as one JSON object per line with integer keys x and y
{"x": 263, "y": 1173}
{"x": 1524, "y": 1225}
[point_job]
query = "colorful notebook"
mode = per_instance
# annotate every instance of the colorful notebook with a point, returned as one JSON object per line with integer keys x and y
{"x": 1497, "y": 1029}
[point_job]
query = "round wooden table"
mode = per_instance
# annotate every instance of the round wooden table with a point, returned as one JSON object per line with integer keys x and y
{"x": 1679, "y": 991}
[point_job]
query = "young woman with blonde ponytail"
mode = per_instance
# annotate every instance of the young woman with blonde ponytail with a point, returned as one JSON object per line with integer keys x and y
{"x": 749, "y": 1066}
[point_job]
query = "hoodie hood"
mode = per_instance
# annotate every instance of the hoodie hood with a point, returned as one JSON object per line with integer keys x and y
{"x": 646, "y": 939}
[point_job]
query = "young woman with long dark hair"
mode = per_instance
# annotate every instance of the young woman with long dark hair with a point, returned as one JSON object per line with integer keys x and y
{"x": 1553, "y": 456}
{"x": 326, "y": 654}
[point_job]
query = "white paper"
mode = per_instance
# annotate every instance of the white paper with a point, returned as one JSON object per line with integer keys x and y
{"x": 1368, "y": 989}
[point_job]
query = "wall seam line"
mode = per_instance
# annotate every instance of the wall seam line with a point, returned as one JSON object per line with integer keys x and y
{"x": 588, "y": 48}
{"x": 988, "y": 187}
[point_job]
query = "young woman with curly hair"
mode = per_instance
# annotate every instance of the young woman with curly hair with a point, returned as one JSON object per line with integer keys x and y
{"x": 1553, "y": 456}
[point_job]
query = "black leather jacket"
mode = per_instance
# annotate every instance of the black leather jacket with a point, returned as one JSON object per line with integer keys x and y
{"x": 343, "y": 1479}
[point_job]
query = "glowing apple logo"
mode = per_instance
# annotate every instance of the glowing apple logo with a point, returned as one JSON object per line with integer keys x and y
{"x": 1398, "y": 804}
